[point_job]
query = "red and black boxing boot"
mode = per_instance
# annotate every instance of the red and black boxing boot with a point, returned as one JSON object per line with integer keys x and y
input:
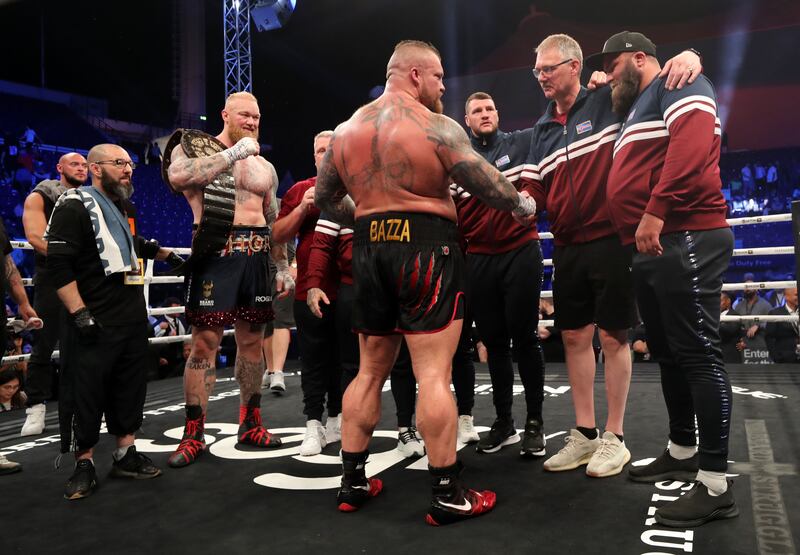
{"x": 193, "y": 443}
{"x": 356, "y": 487}
{"x": 251, "y": 430}
{"x": 452, "y": 501}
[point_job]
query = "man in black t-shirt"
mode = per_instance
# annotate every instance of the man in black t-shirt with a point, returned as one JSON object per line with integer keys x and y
{"x": 95, "y": 263}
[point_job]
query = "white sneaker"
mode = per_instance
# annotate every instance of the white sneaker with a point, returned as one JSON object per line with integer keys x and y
{"x": 265, "y": 379}
{"x": 466, "y": 430}
{"x": 34, "y": 423}
{"x": 409, "y": 443}
{"x": 577, "y": 451}
{"x": 609, "y": 458}
{"x": 333, "y": 429}
{"x": 276, "y": 383}
{"x": 314, "y": 440}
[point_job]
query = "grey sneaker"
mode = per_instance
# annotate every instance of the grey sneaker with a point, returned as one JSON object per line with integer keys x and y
{"x": 8, "y": 467}
{"x": 276, "y": 383}
{"x": 609, "y": 458}
{"x": 466, "y": 430}
{"x": 577, "y": 451}
{"x": 409, "y": 444}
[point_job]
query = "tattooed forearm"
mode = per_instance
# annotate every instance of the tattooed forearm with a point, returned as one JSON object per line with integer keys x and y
{"x": 277, "y": 252}
{"x": 248, "y": 374}
{"x": 187, "y": 173}
{"x": 467, "y": 168}
{"x": 330, "y": 194}
{"x": 12, "y": 274}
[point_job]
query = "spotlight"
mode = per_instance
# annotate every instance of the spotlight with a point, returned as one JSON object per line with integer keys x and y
{"x": 271, "y": 14}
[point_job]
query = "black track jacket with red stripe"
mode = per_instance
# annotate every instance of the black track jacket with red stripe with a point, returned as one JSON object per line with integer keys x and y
{"x": 485, "y": 229}
{"x": 567, "y": 167}
{"x": 666, "y": 161}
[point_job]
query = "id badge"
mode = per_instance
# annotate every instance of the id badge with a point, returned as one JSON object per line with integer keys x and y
{"x": 134, "y": 277}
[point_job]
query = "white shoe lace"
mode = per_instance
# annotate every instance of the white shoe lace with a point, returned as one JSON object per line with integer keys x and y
{"x": 605, "y": 451}
{"x": 466, "y": 425}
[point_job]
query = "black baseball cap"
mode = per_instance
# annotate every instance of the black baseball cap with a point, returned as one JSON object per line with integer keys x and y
{"x": 626, "y": 41}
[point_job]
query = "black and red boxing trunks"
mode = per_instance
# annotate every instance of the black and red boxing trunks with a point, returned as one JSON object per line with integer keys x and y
{"x": 408, "y": 273}
{"x": 234, "y": 284}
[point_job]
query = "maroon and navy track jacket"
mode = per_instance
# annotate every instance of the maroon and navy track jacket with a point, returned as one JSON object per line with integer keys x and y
{"x": 485, "y": 229}
{"x": 332, "y": 246}
{"x": 666, "y": 161}
{"x": 568, "y": 164}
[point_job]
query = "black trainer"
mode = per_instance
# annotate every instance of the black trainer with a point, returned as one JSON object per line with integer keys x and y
{"x": 83, "y": 481}
{"x": 134, "y": 465}
{"x": 502, "y": 433}
{"x": 352, "y": 497}
{"x": 533, "y": 441}
{"x": 666, "y": 467}
{"x": 698, "y": 507}
{"x": 452, "y": 501}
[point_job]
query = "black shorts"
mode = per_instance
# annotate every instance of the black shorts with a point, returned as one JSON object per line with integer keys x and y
{"x": 233, "y": 285}
{"x": 592, "y": 283}
{"x": 408, "y": 274}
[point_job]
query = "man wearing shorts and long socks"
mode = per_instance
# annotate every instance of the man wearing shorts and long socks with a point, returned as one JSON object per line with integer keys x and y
{"x": 396, "y": 157}
{"x": 277, "y": 334}
{"x": 566, "y": 173}
{"x": 232, "y": 286}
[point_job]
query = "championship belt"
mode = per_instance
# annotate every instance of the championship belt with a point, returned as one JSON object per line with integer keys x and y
{"x": 219, "y": 196}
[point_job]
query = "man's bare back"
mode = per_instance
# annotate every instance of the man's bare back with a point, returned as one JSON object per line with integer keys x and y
{"x": 388, "y": 161}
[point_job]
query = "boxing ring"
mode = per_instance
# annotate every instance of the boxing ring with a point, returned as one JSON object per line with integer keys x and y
{"x": 240, "y": 499}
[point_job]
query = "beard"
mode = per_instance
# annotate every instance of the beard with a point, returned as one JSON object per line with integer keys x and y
{"x": 237, "y": 133}
{"x": 73, "y": 181}
{"x": 116, "y": 189}
{"x": 432, "y": 103}
{"x": 626, "y": 90}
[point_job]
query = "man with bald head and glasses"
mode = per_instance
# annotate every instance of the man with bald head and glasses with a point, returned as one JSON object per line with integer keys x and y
{"x": 566, "y": 173}
{"x": 73, "y": 170}
{"x": 95, "y": 263}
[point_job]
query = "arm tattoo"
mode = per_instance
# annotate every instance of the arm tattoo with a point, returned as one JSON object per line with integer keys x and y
{"x": 187, "y": 173}
{"x": 330, "y": 194}
{"x": 469, "y": 169}
{"x": 277, "y": 251}
{"x": 12, "y": 274}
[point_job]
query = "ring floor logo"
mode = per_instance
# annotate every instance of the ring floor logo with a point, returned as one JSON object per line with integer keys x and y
{"x": 223, "y": 444}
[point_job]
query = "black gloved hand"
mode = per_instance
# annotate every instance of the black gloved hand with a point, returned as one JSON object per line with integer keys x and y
{"x": 88, "y": 327}
{"x": 150, "y": 249}
{"x": 174, "y": 260}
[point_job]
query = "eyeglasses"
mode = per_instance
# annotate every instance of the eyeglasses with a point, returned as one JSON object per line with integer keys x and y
{"x": 548, "y": 70}
{"x": 118, "y": 163}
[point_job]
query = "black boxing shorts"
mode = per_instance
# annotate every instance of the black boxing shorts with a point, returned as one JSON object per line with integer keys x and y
{"x": 408, "y": 274}
{"x": 234, "y": 284}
